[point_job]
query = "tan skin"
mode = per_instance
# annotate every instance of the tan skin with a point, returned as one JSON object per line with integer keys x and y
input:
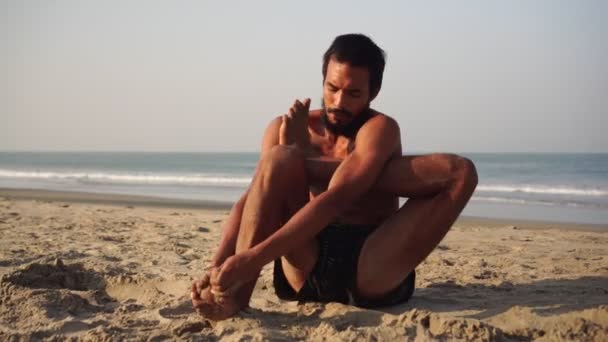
{"x": 348, "y": 180}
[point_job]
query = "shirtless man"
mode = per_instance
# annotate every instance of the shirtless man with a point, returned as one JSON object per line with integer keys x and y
{"x": 323, "y": 203}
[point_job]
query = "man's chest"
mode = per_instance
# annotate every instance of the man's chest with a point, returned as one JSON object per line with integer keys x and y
{"x": 338, "y": 149}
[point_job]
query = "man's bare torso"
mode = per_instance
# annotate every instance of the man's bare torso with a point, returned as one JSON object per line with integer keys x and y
{"x": 326, "y": 155}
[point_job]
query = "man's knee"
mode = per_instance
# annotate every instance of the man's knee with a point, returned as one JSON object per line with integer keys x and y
{"x": 463, "y": 170}
{"x": 284, "y": 160}
{"x": 469, "y": 174}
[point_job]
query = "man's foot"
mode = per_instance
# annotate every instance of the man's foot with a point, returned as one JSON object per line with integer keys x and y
{"x": 214, "y": 307}
{"x": 294, "y": 126}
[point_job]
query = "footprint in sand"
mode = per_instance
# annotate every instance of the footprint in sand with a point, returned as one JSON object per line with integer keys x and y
{"x": 129, "y": 306}
{"x": 486, "y": 274}
{"x": 191, "y": 327}
{"x": 182, "y": 310}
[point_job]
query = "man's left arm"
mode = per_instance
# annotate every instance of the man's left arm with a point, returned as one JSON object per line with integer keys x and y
{"x": 376, "y": 142}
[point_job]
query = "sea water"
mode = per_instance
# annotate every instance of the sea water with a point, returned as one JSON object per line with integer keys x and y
{"x": 541, "y": 186}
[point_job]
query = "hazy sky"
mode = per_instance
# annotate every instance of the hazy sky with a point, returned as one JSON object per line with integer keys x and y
{"x": 461, "y": 76}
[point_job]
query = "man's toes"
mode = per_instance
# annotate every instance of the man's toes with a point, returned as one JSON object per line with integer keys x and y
{"x": 201, "y": 284}
{"x": 292, "y": 111}
{"x": 307, "y": 103}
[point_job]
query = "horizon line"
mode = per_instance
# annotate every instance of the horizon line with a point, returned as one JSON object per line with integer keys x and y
{"x": 257, "y": 151}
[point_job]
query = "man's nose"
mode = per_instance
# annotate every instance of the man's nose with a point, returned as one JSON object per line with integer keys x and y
{"x": 339, "y": 99}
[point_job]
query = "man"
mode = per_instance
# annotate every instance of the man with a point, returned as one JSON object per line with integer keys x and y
{"x": 323, "y": 203}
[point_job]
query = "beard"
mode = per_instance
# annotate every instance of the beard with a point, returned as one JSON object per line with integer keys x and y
{"x": 350, "y": 129}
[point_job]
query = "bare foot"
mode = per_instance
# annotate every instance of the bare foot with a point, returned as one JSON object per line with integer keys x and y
{"x": 212, "y": 306}
{"x": 294, "y": 126}
{"x": 215, "y": 308}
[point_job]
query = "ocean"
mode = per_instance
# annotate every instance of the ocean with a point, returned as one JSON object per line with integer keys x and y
{"x": 531, "y": 186}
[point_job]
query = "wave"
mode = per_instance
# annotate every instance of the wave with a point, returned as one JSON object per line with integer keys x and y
{"x": 537, "y": 202}
{"x": 130, "y": 178}
{"x": 540, "y": 189}
{"x": 241, "y": 180}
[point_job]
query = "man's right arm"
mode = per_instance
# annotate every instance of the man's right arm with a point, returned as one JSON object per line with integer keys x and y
{"x": 230, "y": 234}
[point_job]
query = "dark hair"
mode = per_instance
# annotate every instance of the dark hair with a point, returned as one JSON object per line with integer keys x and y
{"x": 358, "y": 50}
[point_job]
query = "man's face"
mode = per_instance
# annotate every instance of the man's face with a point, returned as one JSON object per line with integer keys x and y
{"x": 345, "y": 93}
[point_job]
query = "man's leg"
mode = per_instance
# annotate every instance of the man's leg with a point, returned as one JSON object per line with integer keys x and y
{"x": 438, "y": 187}
{"x": 279, "y": 189}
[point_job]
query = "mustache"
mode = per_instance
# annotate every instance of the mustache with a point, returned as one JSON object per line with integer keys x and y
{"x": 341, "y": 111}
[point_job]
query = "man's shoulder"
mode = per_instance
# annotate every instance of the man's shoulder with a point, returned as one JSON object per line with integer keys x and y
{"x": 380, "y": 122}
{"x": 380, "y": 127}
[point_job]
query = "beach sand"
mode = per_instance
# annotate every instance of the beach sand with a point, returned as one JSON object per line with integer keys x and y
{"x": 114, "y": 268}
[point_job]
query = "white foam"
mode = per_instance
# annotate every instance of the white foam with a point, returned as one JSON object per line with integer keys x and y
{"x": 539, "y": 189}
{"x": 129, "y": 178}
{"x": 527, "y": 201}
{"x": 242, "y": 181}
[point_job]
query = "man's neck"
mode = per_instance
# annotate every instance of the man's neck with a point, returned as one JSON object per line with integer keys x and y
{"x": 349, "y": 131}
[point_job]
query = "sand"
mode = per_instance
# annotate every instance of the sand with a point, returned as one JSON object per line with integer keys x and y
{"x": 110, "y": 270}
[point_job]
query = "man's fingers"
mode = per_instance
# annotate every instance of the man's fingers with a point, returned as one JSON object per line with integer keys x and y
{"x": 216, "y": 272}
{"x": 195, "y": 294}
{"x": 219, "y": 291}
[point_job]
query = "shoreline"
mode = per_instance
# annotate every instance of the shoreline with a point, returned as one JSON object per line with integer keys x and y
{"x": 162, "y": 202}
{"x": 111, "y": 199}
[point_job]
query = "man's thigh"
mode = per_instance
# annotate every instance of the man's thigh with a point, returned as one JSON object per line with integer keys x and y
{"x": 404, "y": 239}
{"x": 298, "y": 264}
{"x": 390, "y": 254}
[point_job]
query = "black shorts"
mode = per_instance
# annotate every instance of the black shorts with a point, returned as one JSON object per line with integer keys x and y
{"x": 334, "y": 276}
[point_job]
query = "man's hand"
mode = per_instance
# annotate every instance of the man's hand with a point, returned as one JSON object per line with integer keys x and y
{"x": 207, "y": 304}
{"x": 215, "y": 296}
{"x": 232, "y": 274}
{"x": 294, "y": 125}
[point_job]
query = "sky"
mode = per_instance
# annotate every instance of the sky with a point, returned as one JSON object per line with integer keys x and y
{"x": 466, "y": 76}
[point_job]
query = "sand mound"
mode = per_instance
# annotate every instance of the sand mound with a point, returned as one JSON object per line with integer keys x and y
{"x": 56, "y": 276}
{"x": 51, "y": 299}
